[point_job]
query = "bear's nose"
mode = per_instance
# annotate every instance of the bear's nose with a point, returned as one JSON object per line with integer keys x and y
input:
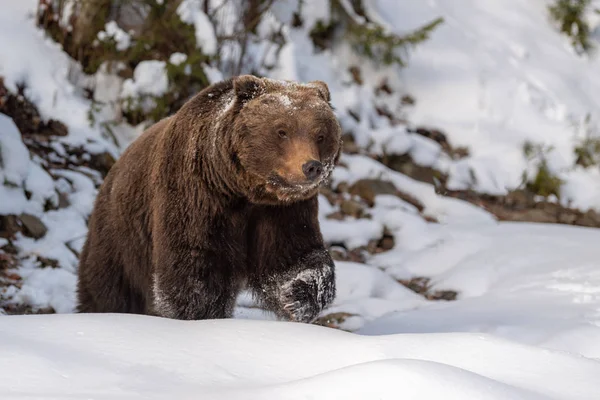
{"x": 312, "y": 170}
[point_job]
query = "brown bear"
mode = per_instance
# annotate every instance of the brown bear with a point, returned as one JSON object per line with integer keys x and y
{"x": 219, "y": 197}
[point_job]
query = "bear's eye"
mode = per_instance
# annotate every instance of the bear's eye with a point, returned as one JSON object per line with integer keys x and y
{"x": 320, "y": 138}
{"x": 282, "y": 133}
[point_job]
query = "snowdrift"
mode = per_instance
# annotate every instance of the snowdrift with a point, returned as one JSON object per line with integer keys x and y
{"x": 130, "y": 357}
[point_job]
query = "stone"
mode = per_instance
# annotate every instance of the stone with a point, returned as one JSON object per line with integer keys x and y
{"x": 63, "y": 200}
{"x": 590, "y": 219}
{"x": 446, "y": 295}
{"x": 48, "y": 262}
{"x": 387, "y": 243}
{"x": 33, "y": 226}
{"x": 55, "y": 128}
{"x": 9, "y": 226}
{"x": 349, "y": 146}
{"x": 519, "y": 199}
{"x": 333, "y": 320}
{"x": 329, "y": 194}
{"x": 352, "y": 208}
{"x": 404, "y": 164}
{"x": 102, "y": 162}
{"x": 367, "y": 189}
{"x": 417, "y": 284}
{"x": 337, "y": 215}
{"x": 342, "y": 187}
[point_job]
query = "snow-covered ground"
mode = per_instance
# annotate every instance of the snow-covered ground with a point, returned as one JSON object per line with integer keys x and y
{"x": 134, "y": 357}
{"x": 526, "y": 323}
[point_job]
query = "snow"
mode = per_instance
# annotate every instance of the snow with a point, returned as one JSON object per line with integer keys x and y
{"x": 190, "y": 11}
{"x": 112, "y": 31}
{"x": 495, "y": 77}
{"x": 177, "y": 58}
{"x": 118, "y": 356}
{"x": 43, "y": 287}
{"x": 14, "y": 156}
{"x": 149, "y": 78}
{"x": 530, "y": 283}
{"x": 355, "y": 233}
{"x": 213, "y": 74}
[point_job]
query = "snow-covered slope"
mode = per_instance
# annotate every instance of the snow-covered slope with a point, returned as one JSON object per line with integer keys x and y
{"x": 131, "y": 357}
{"x": 498, "y": 73}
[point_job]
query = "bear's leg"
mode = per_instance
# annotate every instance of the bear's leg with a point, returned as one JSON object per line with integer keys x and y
{"x": 293, "y": 274}
{"x": 193, "y": 285}
{"x": 102, "y": 286}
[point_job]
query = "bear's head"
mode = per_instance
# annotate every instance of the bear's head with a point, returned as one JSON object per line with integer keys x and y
{"x": 289, "y": 138}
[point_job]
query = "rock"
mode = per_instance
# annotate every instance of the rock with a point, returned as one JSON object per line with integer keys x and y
{"x": 349, "y": 145}
{"x": 339, "y": 253}
{"x": 102, "y": 162}
{"x": 418, "y": 285}
{"x": 386, "y": 243}
{"x": 47, "y": 262}
{"x": 412, "y": 200}
{"x": 407, "y": 100}
{"x": 25, "y": 309}
{"x": 447, "y": 295}
{"x": 356, "y": 74}
{"x": 430, "y": 218}
{"x": 421, "y": 285}
{"x": 522, "y": 206}
{"x": 9, "y": 226}
{"x": 567, "y": 218}
{"x": 519, "y": 199}
{"x": 458, "y": 153}
{"x": 329, "y": 194}
{"x": 342, "y": 187}
{"x": 352, "y": 208}
{"x": 435, "y": 135}
{"x": 33, "y": 226}
{"x": 63, "y": 200}
{"x": 7, "y": 261}
{"x": 367, "y": 189}
{"x": 590, "y": 218}
{"x": 10, "y": 248}
{"x": 337, "y": 215}
{"x": 404, "y": 164}
{"x": 55, "y": 128}
{"x": 373, "y": 248}
{"x": 534, "y": 215}
{"x": 432, "y": 134}
{"x": 333, "y": 320}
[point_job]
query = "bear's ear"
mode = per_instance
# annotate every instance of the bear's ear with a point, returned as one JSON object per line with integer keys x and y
{"x": 247, "y": 87}
{"x": 322, "y": 88}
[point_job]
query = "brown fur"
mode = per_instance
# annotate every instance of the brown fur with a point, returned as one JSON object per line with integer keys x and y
{"x": 212, "y": 200}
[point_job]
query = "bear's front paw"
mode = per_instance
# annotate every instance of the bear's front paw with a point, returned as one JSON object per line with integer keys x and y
{"x": 308, "y": 293}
